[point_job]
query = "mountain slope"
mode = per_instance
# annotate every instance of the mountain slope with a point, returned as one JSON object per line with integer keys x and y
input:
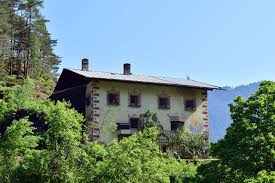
{"x": 219, "y": 115}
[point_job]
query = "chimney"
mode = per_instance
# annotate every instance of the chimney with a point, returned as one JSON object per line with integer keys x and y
{"x": 127, "y": 69}
{"x": 85, "y": 64}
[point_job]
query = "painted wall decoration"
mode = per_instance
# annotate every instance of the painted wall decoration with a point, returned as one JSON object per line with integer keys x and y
{"x": 95, "y": 133}
{"x": 195, "y": 126}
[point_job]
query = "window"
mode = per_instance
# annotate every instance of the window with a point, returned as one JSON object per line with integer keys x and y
{"x": 190, "y": 105}
{"x": 164, "y": 102}
{"x": 163, "y": 148}
{"x": 113, "y": 98}
{"x": 123, "y": 126}
{"x": 176, "y": 125}
{"x": 134, "y": 100}
{"x": 134, "y": 123}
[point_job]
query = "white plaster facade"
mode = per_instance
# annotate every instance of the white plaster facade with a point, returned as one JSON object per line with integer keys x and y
{"x": 105, "y": 115}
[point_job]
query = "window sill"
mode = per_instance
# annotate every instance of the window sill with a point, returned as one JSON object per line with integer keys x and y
{"x": 113, "y": 105}
{"x": 165, "y": 108}
{"x": 134, "y": 106}
{"x": 190, "y": 109}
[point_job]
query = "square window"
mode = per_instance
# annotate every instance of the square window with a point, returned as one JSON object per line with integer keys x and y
{"x": 123, "y": 126}
{"x": 164, "y": 102}
{"x": 134, "y": 100}
{"x": 134, "y": 123}
{"x": 190, "y": 105}
{"x": 176, "y": 125}
{"x": 113, "y": 98}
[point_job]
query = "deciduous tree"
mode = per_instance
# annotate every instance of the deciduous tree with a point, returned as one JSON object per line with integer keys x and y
{"x": 248, "y": 146}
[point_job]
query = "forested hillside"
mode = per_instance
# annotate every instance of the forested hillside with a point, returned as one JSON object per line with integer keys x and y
{"x": 26, "y": 47}
{"x": 219, "y": 115}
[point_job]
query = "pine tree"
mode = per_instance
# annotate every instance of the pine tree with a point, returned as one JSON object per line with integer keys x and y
{"x": 26, "y": 47}
{"x": 5, "y": 35}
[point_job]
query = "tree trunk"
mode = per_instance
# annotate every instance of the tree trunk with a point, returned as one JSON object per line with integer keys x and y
{"x": 18, "y": 68}
{"x": 11, "y": 41}
{"x": 29, "y": 41}
{"x": 10, "y": 67}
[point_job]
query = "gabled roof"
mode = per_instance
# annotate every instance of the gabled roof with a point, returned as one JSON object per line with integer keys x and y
{"x": 144, "y": 79}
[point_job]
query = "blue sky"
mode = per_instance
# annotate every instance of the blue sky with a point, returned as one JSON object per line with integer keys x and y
{"x": 217, "y": 41}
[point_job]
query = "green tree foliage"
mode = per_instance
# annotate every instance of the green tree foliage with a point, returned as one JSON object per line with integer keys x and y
{"x": 26, "y": 47}
{"x": 16, "y": 147}
{"x": 193, "y": 144}
{"x": 138, "y": 159}
{"x": 5, "y": 37}
{"x": 44, "y": 144}
{"x": 146, "y": 120}
{"x": 3, "y": 108}
{"x": 24, "y": 94}
{"x": 216, "y": 172}
{"x": 248, "y": 146}
{"x": 263, "y": 177}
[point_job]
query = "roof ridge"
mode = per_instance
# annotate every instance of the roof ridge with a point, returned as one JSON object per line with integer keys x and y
{"x": 156, "y": 77}
{"x": 112, "y": 73}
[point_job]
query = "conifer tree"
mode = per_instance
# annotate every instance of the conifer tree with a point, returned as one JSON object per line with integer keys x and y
{"x": 26, "y": 47}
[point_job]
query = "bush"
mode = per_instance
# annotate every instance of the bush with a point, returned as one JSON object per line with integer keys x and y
{"x": 263, "y": 177}
{"x": 138, "y": 159}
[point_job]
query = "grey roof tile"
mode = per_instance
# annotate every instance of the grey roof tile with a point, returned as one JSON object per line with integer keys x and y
{"x": 144, "y": 79}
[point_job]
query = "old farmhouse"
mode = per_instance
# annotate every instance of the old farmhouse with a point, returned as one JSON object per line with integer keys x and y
{"x": 106, "y": 98}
